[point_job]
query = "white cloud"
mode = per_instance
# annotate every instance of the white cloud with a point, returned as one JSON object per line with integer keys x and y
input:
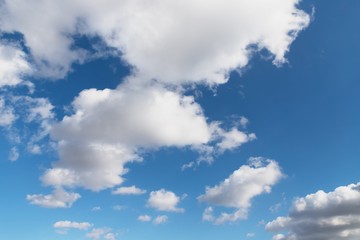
{"x": 13, "y": 64}
{"x": 58, "y": 199}
{"x": 14, "y": 154}
{"x": 99, "y": 139}
{"x": 163, "y": 200}
{"x": 234, "y": 139}
{"x": 160, "y": 219}
{"x": 132, "y": 190}
{"x": 144, "y": 218}
{"x": 75, "y": 225}
{"x": 99, "y": 233}
{"x": 95, "y": 209}
{"x": 240, "y": 188}
{"x": 176, "y": 32}
{"x": 322, "y": 216}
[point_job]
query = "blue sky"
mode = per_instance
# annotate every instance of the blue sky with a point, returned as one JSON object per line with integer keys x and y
{"x": 169, "y": 120}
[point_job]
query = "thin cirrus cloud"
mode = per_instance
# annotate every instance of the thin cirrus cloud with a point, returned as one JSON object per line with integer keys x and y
{"x": 321, "y": 216}
{"x": 240, "y": 188}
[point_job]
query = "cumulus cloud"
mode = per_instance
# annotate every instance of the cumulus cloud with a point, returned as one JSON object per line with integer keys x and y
{"x": 322, "y": 216}
{"x": 240, "y": 188}
{"x": 132, "y": 190}
{"x": 173, "y": 35}
{"x": 163, "y": 200}
{"x": 58, "y": 199}
{"x": 165, "y": 42}
{"x": 70, "y": 224}
{"x": 100, "y": 139}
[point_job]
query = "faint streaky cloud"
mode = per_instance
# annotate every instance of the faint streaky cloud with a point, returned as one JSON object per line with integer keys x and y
{"x": 99, "y": 233}
{"x": 132, "y": 190}
{"x": 250, "y": 235}
{"x": 240, "y": 188}
{"x": 160, "y": 219}
{"x": 95, "y": 209}
{"x": 7, "y": 115}
{"x": 59, "y": 198}
{"x": 118, "y": 207}
{"x": 163, "y": 200}
{"x": 14, "y": 154}
{"x": 321, "y": 216}
{"x": 144, "y": 218}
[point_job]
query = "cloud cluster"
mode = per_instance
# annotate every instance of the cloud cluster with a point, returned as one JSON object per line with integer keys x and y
{"x": 167, "y": 46}
{"x": 240, "y": 188}
{"x": 322, "y": 216}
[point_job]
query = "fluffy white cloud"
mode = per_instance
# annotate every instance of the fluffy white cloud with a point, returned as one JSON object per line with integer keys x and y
{"x": 144, "y": 218}
{"x": 75, "y": 225}
{"x": 322, "y": 216}
{"x": 98, "y": 140}
{"x": 160, "y": 219}
{"x": 240, "y": 188}
{"x": 132, "y": 190}
{"x": 13, "y": 64}
{"x": 174, "y": 35}
{"x": 58, "y": 199}
{"x": 163, "y": 200}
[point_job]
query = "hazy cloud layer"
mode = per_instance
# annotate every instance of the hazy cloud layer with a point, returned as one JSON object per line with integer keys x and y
{"x": 322, "y": 216}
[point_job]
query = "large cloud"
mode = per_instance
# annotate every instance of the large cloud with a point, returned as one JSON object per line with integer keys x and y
{"x": 98, "y": 140}
{"x": 240, "y": 188}
{"x": 173, "y": 42}
{"x": 322, "y": 216}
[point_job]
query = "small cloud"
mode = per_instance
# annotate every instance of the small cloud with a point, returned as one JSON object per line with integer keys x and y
{"x": 75, "y": 225}
{"x": 14, "y": 154}
{"x": 95, "y": 209}
{"x": 144, "y": 218}
{"x": 160, "y": 219}
{"x": 240, "y": 188}
{"x": 133, "y": 190}
{"x": 163, "y": 200}
{"x": 250, "y": 235}
{"x": 118, "y": 207}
